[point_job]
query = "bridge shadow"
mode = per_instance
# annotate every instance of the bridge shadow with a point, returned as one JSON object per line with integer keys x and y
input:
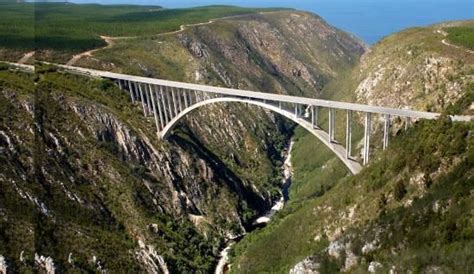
{"x": 190, "y": 143}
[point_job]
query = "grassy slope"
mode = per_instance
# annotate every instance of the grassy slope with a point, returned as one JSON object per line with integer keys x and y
{"x": 378, "y": 196}
{"x": 118, "y": 205}
{"x": 16, "y": 30}
{"x": 462, "y": 36}
{"x": 72, "y": 28}
{"x": 316, "y": 171}
{"x": 275, "y": 248}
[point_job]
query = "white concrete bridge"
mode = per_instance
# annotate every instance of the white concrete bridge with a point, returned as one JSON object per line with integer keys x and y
{"x": 168, "y": 102}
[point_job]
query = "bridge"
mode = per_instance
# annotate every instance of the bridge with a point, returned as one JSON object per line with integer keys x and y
{"x": 168, "y": 102}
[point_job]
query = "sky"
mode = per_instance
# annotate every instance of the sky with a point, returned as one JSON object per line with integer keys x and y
{"x": 370, "y": 20}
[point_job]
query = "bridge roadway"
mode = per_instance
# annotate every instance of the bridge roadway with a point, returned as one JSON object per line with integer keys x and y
{"x": 265, "y": 96}
{"x": 170, "y": 101}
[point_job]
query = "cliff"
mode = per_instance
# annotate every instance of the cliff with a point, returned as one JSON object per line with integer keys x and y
{"x": 85, "y": 182}
{"x": 406, "y": 211}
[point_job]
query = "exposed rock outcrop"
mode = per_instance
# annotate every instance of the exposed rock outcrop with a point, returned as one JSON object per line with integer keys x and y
{"x": 45, "y": 263}
{"x": 307, "y": 266}
{"x": 3, "y": 265}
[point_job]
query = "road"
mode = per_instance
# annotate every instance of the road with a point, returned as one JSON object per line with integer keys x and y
{"x": 263, "y": 96}
{"x": 110, "y": 40}
{"x": 445, "y": 42}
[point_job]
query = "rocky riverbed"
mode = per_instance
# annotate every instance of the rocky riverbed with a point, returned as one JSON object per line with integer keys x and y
{"x": 287, "y": 170}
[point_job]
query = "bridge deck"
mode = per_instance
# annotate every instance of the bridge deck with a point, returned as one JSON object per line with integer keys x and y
{"x": 266, "y": 96}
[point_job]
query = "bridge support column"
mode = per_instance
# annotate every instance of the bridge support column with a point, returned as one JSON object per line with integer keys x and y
{"x": 119, "y": 82}
{"x": 407, "y": 123}
{"x": 196, "y": 95}
{"x": 185, "y": 95}
{"x": 148, "y": 98}
{"x": 386, "y": 130}
{"x": 163, "y": 104}
{"x": 130, "y": 89}
{"x": 314, "y": 116}
{"x": 136, "y": 94}
{"x": 296, "y": 110}
{"x": 190, "y": 97}
{"x": 349, "y": 134}
{"x": 175, "y": 105}
{"x": 142, "y": 98}
{"x": 158, "y": 100}
{"x": 280, "y": 105}
{"x": 367, "y": 131}
{"x": 158, "y": 126}
{"x": 180, "y": 104}
{"x": 332, "y": 116}
{"x": 168, "y": 100}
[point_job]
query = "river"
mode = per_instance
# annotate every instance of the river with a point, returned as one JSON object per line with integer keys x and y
{"x": 287, "y": 172}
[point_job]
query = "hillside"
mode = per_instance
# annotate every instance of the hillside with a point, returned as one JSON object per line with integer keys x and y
{"x": 56, "y": 31}
{"x": 102, "y": 192}
{"x": 418, "y": 68}
{"x": 403, "y": 211}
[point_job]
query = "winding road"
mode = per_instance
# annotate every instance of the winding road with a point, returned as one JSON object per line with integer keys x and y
{"x": 110, "y": 40}
{"x": 445, "y": 42}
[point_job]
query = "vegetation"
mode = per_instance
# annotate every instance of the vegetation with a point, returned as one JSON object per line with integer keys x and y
{"x": 17, "y": 30}
{"x": 394, "y": 196}
{"x": 462, "y": 36}
{"x": 87, "y": 209}
{"x": 74, "y": 28}
{"x": 275, "y": 249}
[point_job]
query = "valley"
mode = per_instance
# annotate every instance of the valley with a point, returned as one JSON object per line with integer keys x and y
{"x": 87, "y": 185}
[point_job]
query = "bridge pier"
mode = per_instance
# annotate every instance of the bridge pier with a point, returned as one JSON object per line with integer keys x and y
{"x": 163, "y": 104}
{"x": 386, "y": 131}
{"x": 185, "y": 93}
{"x": 332, "y": 114}
{"x": 148, "y": 99}
{"x": 131, "y": 91}
{"x": 315, "y": 116}
{"x": 349, "y": 134}
{"x": 180, "y": 103}
{"x": 158, "y": 126}
{"x": 142, "y": 99}
{"x": 169, "y": 102}
{"x": 367, "y": 131}
{"x": 156, "y": 106}
{"x": 175, "y": 105}
{"x": 407, "y": 123}
{"x": 120, "y": 84}
{"x": 159, "y": 106}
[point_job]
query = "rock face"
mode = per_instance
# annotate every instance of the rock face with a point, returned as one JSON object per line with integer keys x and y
{"x": 307, "y": 266}
{"x": 153, "y": 262}
{"x": 411, "y": 69}
{"x": 3, "y": 265}
{"x": 45, "y": 263}
{"x": 83, "y": 171}
{"x": 414, "y": 69}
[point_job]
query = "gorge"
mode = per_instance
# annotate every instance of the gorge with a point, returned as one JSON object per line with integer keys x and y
{"x": 86, "y": 184}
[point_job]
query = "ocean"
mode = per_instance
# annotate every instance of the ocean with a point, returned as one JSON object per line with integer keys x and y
{"x": 370, "y": 20}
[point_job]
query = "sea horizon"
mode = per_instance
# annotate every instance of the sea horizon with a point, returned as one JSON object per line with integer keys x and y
{"x": 370, "y": 20}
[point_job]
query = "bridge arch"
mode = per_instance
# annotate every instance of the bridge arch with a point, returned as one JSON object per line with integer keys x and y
{"x": 322, "y": 135}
